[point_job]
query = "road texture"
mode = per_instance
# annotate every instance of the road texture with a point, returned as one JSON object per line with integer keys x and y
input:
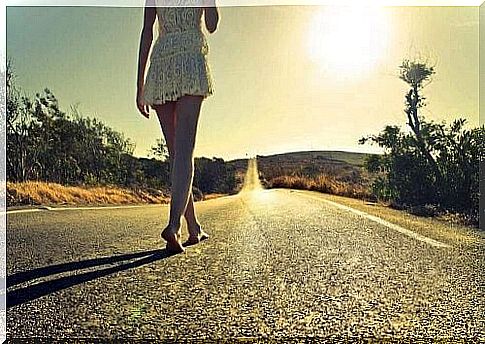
{"x": 278, "y": 264}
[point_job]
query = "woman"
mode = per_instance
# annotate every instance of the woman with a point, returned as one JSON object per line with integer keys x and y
{"x": 177, "y": 82}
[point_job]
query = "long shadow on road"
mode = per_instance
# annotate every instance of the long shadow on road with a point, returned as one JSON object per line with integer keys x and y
{"x": 29, "y": 293}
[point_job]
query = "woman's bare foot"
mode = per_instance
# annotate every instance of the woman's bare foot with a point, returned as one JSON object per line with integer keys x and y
{"x": 196, "y": 235}
{"x": 172, "y": 237}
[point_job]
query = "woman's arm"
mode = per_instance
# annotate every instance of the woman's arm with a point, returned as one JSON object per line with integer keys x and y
{"x": 145, "y": 44}
{"x": 211, "y": 16}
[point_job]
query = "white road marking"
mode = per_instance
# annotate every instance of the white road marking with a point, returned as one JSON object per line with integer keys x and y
{"x": 335, "y": 204}
{"x": 383, "y": 222}
{"x": 44, "y": 208}
{"x": 21, "y": 211}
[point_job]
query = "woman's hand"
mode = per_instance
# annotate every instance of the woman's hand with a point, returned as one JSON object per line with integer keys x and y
{"x": 208, "y": 3}
{"x": 140, "y": 103}
{"x": 211, "y": 16}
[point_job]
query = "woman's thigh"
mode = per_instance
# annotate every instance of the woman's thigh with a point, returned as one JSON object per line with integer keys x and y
{"x": 166, "y": 117}
{"x": 187, "y": 113}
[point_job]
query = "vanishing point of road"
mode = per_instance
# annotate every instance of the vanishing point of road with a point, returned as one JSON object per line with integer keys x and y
{"x": 279, "y": 264}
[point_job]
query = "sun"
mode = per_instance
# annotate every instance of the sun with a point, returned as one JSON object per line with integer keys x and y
{"x": 348, "y": 41}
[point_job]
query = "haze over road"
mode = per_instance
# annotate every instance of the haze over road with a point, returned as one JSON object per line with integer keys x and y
{"x": 278, "y": 263}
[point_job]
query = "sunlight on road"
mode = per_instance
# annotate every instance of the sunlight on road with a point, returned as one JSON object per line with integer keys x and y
{"x": 252, "y": 187}
{"x": 254, "y": 194}
{"x": 251, "y": 180}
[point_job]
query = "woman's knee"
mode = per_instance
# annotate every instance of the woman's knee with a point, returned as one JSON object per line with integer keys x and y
{"x": 189, "y": 106}
{"x": 185, "y": 153}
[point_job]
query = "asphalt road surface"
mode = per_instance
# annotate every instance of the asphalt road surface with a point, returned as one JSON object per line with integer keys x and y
{"x": 278, "y": 264}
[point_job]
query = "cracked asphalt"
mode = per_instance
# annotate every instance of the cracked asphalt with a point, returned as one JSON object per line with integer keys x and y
{"x": 278, "y": 264}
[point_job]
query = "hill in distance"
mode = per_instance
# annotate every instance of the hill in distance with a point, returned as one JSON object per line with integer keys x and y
{"x": 308, "y": 157}
{"x": 334, "y": 166}
{"x": 351, "y": 158}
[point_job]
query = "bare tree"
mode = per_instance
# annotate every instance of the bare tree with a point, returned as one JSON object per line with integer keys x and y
{"x": 417, "y": 75}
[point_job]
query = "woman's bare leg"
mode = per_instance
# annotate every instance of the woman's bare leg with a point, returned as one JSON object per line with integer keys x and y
{"x": 166, "y": 117}
{"x": 187, "y": 110}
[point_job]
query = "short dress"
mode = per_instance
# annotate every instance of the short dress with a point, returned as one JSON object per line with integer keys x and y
{"x": 178, "y": 61}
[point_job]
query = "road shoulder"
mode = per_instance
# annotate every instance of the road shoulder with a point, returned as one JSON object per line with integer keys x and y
{"x": 447, "y": 232}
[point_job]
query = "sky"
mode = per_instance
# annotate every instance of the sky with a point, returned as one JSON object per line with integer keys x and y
{"x": 287, "y": 78}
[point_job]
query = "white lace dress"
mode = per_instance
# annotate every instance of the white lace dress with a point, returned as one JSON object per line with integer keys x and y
{"x": 178, "y": 61}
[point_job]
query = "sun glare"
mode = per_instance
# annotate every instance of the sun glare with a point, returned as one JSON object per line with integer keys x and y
{"x": 348, "y": 41}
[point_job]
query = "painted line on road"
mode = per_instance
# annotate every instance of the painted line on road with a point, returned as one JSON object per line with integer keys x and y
{"x": 21, "y": 211}
{"x": 381, "y": 221}
{"x": 8, "y": 212}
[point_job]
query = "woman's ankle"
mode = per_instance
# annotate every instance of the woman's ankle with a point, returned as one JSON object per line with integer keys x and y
{"x": 194, "y": 227}
{"x": 174, "y": 227}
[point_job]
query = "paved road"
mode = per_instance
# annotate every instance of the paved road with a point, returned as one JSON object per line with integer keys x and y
{"x": 279, "y": 263}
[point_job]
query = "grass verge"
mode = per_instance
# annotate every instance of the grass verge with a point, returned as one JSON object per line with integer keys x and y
{"x": 322, "y": 183}
{"x": 360, "y": 189}
{"x": 436, "y": 228}
{"x": 45, "y": 193}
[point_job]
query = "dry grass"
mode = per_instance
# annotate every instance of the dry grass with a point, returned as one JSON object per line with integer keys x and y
{"x": 214, "y": 195}
{"x": 322, "y": 183}
{"x": 35, "y": 193}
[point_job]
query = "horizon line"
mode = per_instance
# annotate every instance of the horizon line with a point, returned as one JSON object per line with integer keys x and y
{"x": 271, "y": 154}
{"x": 236, "y": 3}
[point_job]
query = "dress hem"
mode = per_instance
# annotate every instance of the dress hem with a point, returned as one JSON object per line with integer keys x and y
{"x": 177, "y": 97}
